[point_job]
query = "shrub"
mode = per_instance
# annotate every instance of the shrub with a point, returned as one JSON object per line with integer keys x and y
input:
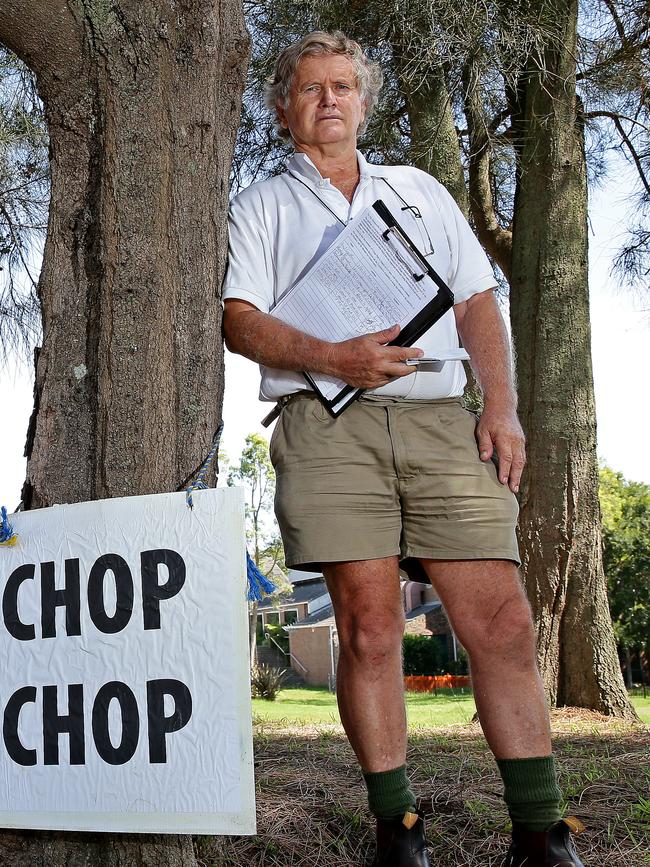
{"x": 461, "y": 665}
{"x": 266, "y": 681}
{"x": 423, "y": 655}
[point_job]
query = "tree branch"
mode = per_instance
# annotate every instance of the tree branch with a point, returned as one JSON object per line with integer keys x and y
{"x": 612, "y": 115}
{"x": 633, "y": 153}
{"x": 46, "y": 36}
{"x": 17, "y": 245}
{"x": 617, "y": 21}
{"x": 621, "y": 54}
{"x": 497, "y": 120}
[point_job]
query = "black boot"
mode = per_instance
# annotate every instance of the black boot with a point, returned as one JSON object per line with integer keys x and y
{"x": 552, "y": 848}
{"x": 401, "y": 842}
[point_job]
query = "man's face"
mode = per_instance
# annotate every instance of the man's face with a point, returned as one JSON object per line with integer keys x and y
{"x": 324, "y": 104}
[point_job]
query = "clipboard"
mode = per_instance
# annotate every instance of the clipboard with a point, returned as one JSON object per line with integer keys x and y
{"x": 416, "y": 327}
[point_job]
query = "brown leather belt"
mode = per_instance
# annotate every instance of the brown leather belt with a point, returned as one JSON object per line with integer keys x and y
{"x": 282, "y": 402}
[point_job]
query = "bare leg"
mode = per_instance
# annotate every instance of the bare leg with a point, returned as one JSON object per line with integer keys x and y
{"x": 369, "y": 686}
{"x": 488, "y": 609}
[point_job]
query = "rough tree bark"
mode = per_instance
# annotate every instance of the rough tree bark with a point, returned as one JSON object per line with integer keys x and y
{"x": 496, "y": 239}
{"x": 549, "y": 307}
{"x": 142, "y": 104}
{"x": 434, "y": 144}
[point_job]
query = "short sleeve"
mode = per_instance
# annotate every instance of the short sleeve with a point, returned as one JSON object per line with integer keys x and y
{"x": 249, "y": 276}
{"x": 470, "y": 271}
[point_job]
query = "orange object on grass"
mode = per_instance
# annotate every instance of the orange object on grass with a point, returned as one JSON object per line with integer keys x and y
{"x": 432, "y": 683}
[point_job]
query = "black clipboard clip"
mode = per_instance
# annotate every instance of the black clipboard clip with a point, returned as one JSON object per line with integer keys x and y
{"x": 394, "y": 232}
{"x": 434, "y": 310}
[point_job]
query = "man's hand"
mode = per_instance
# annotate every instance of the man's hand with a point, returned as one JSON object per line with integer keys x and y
{"x": 366, "y": 362}
{"x": 363, "y": 362}
{"x": 500, "y": 429}
{"x": 484, "y": 336}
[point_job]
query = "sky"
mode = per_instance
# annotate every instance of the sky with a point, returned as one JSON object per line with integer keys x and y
{"x": 620, "y": 349}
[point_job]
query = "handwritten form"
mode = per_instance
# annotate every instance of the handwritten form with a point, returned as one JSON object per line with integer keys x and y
{"x": 362, "y": 283}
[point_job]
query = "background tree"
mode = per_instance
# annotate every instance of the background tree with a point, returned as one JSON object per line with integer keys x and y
{"x": 495, "y": 93}
{"x": 549, "y": 311}
{"x": 141, "y": 101}
{"x": 626, "y": 537}
{"x": 24, "y": 196}
{"x": 255, "y": 472}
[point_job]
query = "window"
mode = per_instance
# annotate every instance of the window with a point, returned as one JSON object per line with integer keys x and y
{"x": 290, "y": 616}
{"x": 272, "y": 617}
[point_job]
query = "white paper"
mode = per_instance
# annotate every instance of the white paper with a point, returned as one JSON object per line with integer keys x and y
{"x": 452, "y": 354}
{"x": 205, "y": 783}
{"x": 362, "y": 283}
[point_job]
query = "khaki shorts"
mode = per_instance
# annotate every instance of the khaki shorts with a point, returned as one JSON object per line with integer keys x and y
{"x": 387, "y": 477}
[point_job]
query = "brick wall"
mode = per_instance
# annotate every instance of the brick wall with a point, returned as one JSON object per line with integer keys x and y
{"x": 417, "y": 626}
{"x": 438, "y": 624}
{"x": 311, "y": 646}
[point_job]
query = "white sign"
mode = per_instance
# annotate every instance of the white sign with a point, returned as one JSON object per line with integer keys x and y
{"x": 124, "y": 685}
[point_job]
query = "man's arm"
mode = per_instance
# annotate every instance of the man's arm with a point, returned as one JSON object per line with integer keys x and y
{"x": 363, "y": 362}
{"x": 484, "y": 335}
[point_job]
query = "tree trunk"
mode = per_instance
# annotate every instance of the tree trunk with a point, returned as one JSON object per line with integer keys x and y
{"x": 496, "y": 239}
{"x": 142, "y": 104}
{"x": 549, "y": 306}
{"x": 434, "y": 146}
{"x": 252, "y": 632}
{"x": 434, "y": 141}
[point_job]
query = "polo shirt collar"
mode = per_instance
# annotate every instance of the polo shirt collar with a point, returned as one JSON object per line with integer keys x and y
{"x": 300, "y": 164}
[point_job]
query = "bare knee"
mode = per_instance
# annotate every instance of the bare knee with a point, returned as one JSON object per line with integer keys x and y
{"x": 372, "y": 640}
{"x": 507, "y": 633}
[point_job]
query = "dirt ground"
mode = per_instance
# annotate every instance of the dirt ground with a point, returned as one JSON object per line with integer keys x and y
{"x": 312, "y": 810}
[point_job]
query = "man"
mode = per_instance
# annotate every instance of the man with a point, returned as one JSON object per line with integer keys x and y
{"x": 405, "y": 474}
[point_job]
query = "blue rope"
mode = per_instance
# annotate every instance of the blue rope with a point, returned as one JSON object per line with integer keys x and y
{"x": 7, "y": 535}
{"x": 200, "y": 483}
{"x": 258, "y": 584}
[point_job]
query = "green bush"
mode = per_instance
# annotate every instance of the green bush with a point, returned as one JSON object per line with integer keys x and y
{"x": 460, "y": 666}
{"x": 266, "y": 681}
{"x": 423, "y": 654}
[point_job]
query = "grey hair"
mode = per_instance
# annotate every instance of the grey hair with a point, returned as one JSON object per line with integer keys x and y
{"x": 368, "y": 73}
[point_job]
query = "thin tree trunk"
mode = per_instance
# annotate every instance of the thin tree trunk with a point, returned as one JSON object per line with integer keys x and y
{"x": 434, "y": 145}
{"x": 496, "y": 238}
{"x": 252, "y": 608}
{"x": 252, "y": 633}
{"x": 628, "y": 667}
{"x": 434, "y": 141}
{"x": 549, "y": 306}
{"x": 142, "y": 104}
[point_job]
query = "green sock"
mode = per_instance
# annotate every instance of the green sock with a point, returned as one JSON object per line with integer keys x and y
{"x": 531, "y": 791}
{"x": 389, "y": 793}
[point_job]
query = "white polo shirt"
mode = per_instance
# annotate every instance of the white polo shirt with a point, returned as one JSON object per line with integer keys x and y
{"x": 280, "y": 227}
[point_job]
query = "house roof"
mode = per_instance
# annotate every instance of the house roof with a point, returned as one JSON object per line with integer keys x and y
{"x": 297, "y": 576}
{"x": 323, "y": 617}
{"x": 302, "y": 592}
{"x": 423, "y": 609}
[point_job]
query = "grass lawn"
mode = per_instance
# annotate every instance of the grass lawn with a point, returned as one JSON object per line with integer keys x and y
{"x": 317, "y": 706}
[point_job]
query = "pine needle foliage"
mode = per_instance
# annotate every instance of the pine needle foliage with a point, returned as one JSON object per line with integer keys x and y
{"x": 24, "y": 199}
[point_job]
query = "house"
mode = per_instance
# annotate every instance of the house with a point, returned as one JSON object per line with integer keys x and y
{"x": 309, "y": 596}
{"x": 308, "y": 619}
